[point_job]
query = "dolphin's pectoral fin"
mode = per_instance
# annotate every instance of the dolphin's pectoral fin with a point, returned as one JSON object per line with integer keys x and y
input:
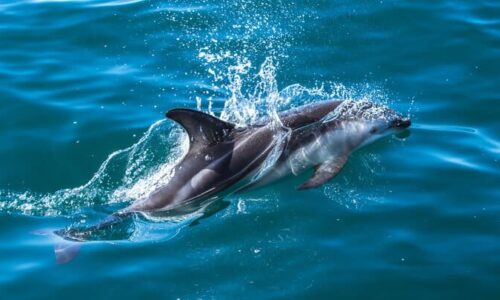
{"x": 324, "y": 172}
{"x": 203, "y": 129}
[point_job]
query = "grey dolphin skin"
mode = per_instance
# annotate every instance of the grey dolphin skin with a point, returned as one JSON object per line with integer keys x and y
{"x": 320, "y": 135}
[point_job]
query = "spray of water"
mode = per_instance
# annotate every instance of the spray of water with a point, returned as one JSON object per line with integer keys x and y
{"x": 120, "y": 178}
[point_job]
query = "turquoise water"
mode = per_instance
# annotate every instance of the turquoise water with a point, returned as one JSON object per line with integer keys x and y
{"x": 84, "y": 86}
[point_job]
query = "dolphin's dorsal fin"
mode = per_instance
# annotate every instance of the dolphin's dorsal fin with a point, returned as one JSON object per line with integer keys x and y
{"x": 324, "y": 172}
{"x": 203, "y": 129}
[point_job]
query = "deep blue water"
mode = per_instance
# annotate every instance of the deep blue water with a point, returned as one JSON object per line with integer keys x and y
{"x": 84, "y": 86}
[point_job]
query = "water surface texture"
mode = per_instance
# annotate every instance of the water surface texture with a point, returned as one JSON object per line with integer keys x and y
{"x": 84, "y": 86}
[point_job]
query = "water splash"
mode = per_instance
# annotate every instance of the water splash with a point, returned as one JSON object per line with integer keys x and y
{"x": 240, "y": 53}
{"x": 120, "y": 178}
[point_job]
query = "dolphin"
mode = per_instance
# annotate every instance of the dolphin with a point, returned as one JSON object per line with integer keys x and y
{"x": 221, "y": 155}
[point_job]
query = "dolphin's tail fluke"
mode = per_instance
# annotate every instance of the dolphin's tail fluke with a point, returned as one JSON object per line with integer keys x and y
{"x": 66, "y": 251}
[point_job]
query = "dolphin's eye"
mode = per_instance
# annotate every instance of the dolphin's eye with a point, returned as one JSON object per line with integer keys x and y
{"x": 373, "y": 130}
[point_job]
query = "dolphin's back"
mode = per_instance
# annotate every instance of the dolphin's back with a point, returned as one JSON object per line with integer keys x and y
{"x": 307, "y": 114}
{"x": 219, "y": 155}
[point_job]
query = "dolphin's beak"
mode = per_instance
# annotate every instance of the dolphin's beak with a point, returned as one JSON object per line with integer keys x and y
{"x": 402, "y": 123}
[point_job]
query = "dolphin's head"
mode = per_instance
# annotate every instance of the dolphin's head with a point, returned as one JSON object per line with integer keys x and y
{"x": 389, "y": 122}
{"x": 368, "y": 121}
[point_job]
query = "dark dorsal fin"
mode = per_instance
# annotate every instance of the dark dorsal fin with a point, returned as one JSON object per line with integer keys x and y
{"x": 203, "y": 129}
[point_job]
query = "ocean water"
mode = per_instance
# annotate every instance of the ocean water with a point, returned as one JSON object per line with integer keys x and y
{"x": 84, "y": 85}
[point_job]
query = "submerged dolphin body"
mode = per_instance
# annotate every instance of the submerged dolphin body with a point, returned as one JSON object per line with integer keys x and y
{"x": 320, "y": 135}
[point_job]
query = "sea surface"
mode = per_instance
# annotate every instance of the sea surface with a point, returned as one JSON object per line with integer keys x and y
{"x": 84, "y": 86}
